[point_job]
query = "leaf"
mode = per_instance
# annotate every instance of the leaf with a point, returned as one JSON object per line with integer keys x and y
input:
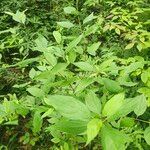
{"x": 117, "y": 31}
{"x": 82, "y": 84}
{"x": 93, "y": 48}
{"x": 93, "y": 129}
{"x": 72, "y": 56}
{"x": 32, "y": 73}
{"x": 113, "y": 139}
{"x": 18, "y": 16}
{"x": 70, "y": 10}
{"x": 57, "y": 36}
{"x": 51, "y": 59}
{"x": 129, "y": 105}
{"x": 91, "y": 30}
{"x": 147, "y": 135}
{"x": 65, "y": 24}
{"x": 26, "y": 62}
{"x": 93, "y": 102}
{"x": 111, "y": 85}
{"x": 74, "y": 43}
{"x": 58, "y": 68}
{"x": 134, "y": 66}
{"x": 113, "y": 105}
{"x": 144, "y": 76}
{"x": 37, "y": 122}
{"x": 41, "y": 43}
{"x": 36, "y": 92}
{"x": 129, "y": 46}
{"x": 13, "y": 122}
{"x": 47, "y": 113}
{"x": 141, "y": 105}
{"x": 69, "y": 107}
{"x": 89, "y": 18}
{"x": 127, "y": 122}
{"x": 74, "y": 127}
{"x": 85, "y": 66}
{"x": 139, "y": 46}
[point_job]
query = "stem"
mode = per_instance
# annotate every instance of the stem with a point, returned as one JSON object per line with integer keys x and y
{"x": 142, "y": 120}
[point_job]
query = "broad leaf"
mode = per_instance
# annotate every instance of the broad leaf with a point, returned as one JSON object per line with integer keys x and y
{"x": 85, "y": 66}
{"x": 74, "y": 127}
{"x": 69, "y": 107}
{"x": 112, "y": 85}
{"x": 141, "y": 105}
{"x": 113, "y": 139}
{"x": 57, "y": 36}
{"x": 82, "y": 84}
{"x": 147, "y": 135}
{"x": 113, "y": 105}
{"x": 129, "y": 105}
{"x": 129, "y": 46}
{"x": 74, "y": 43}
{"x": 37, "y": 92}
{"x": 93, "y": 48}
{"x": 89, "y": 18}
{"x": 93, "y": 102}
{"x": 18, "y": 16}
{"x": 70, "y": 10}
{"x": 37, "y": 122}
{"x": 93, "y": 128}
{"x": 41, "y": 43}
{"x": 65, "y": 24}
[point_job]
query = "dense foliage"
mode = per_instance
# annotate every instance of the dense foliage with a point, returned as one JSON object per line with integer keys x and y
{"x": 74, "y": 74}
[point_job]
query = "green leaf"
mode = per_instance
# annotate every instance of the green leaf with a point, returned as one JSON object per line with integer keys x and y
{"x": 144, "y": 76}
{"x": 127, "y": 122}
{"x": 89, "y": 18}
{"x": 26, "y": 62}
{"x": 147, "y": 135}
{"x": 74, "y": 127}
{"x": 129, "y": 105}
{"x": 58, "y": 68}
{"x": 51, "y": 59}
{"x": 141, "y": 105}
{"x": 113, "y": 139}
{"x": 72, "y": 56}
{"x": 82, "y": 84}
{"x": 91, "y": 30}
{"x": 32, "y": 73}
{"x": 129, "y": 46}
{"x": 65, "y": 24}
{"x": 18, "y": 16}
{"x": 112, "y": 86}
{"x": 41, "y": 43}
{"x": 37, "y": 122}
{"x": 93, "y": 129}
{"x": 74, "y": 43}
{"x": 70, "y": 10}
{"x": 57, "y": 36}
{"x": 36, "y": 92}
{"x": 93, "y": 102}
{"x": 117, "y": 31}
{"x": 139, "y": 46}
{"x": 69, "y": 107}
{"x": 93, "y": 48}
{"x": 113, "y": 105}
{"x": 85, "y": 66}
{"x": 134, "y": 66}
{"x": 13, "y": 122}
{"x": 47, "y": 113}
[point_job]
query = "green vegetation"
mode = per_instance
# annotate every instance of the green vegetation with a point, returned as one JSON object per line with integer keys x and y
{"x": 75, "y": 75}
